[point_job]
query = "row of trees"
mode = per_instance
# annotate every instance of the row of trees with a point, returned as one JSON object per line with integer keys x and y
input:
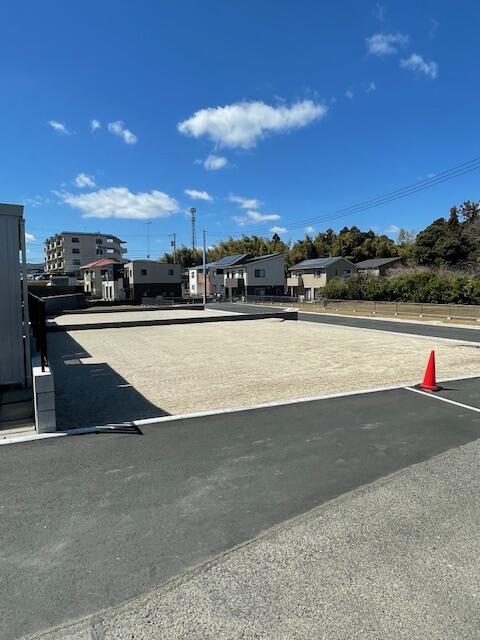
{"x": 446, "y": 242}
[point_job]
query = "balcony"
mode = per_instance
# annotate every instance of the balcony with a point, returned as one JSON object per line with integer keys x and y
{"x": 295, "y": 282}
{"x": 235, "y": 283}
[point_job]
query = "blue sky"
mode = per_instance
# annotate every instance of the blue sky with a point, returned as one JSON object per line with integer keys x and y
{"x": 260, "y": 114}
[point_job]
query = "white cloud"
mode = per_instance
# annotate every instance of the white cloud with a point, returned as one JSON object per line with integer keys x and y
{"x": 34, "y": 201}
{"x": 240, "y": 220}
{"x": 245, "y": 203}
{"x": 29, "y": 237}
{"x": 393, "y": 229}
{"x": 349, "y": 94}
{"x": 255, "y": 216}
{"x": 371, "y": 87}
{"x": 242, "y": 124}
{"x": 198, "y": 195}
{"x": 95, "y": 124}
{"x": 84, "y": 180}
{"x": 119, "y": 202}
{"x": 383, "y": 44}
{"x": 118, "y": 129}
{"x": 416, "y": 63}
{"x": 213, "y": 163}
{"x": 278, "y": 230}
{"x": 59, "y": 127}
{"x": 309, "y": 229}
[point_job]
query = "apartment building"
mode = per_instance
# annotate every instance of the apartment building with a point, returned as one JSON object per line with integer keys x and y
{"x": 67, "y": 251}
{"x": 308, "y": 277}
{"x": 239, "y": 275}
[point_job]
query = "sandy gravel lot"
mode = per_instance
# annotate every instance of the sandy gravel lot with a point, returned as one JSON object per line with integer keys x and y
{"x": 186, "y": 368}
{"x": 126, "y": 316}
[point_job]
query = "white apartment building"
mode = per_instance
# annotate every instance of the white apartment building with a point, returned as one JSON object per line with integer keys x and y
{"x": 241, "y": 274}
{"x": 67, "y": 251}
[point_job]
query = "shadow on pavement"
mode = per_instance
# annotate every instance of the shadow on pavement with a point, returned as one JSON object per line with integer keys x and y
{"x": 92, "y": 394}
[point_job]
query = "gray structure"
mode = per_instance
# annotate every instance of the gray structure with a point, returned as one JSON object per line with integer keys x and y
{"x": 378, "y": 266}
{"x": 15, "y": 367}
{"x": 151, "y": 279}
{"x": 67, "y": 251}
{"x": 308, "y": 277}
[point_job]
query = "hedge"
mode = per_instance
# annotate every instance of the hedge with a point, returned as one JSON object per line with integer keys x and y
{"x": 426, "y": 286}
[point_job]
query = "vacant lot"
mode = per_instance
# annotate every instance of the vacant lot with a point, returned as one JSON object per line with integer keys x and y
{"x": 140, "y": 372}
{"x": 140, "y": 316}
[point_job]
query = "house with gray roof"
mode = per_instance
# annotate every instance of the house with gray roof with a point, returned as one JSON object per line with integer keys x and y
{"x": 308, "y": 277}
{"x": 241, "y": 274}
{"x": 378, "y": 266}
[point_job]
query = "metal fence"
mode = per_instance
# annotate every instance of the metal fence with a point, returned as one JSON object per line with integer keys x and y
{"x": 431, "y": 310}
{"x": 37, "y": 314}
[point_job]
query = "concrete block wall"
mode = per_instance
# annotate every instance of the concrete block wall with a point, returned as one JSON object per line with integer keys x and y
{"x": 43, "y": 399}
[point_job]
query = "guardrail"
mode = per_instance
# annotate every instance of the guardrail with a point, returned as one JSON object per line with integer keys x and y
{"x": 380, "y": 307}
{"x": 37, "y": 315}
{"x": 421, "y": 309}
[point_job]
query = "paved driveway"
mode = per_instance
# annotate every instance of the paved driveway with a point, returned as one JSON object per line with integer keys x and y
{"x": 91, "y": 521}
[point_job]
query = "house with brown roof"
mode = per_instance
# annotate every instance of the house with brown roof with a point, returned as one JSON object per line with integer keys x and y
{"x": 97, "y": 272}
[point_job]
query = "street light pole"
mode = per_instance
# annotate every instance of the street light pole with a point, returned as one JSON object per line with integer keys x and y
{"x": 204, "y": 271}
{"x": 173, "y": 243}
{"x": 148, "y": 238}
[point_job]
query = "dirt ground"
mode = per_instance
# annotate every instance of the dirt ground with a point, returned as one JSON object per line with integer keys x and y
{"x": 188, "y": 368}
{"x": 129, "y": 316}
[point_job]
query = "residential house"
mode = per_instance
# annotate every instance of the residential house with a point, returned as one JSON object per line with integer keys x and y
{"x": 378, "y": 266}
{"x": 67, "y": 251}
{"x": 241, "y": 274}
{"x": 151, "y": 279}
{"x": 308, "y": 277}
{"x": 99, "y": 271}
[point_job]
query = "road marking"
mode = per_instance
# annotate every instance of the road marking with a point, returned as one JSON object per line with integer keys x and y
{"x": 429, "y": 394}
{"x": 215, "y": 412}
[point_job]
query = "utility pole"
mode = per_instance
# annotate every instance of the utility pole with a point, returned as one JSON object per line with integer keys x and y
{"x": 173, "y": 243}
{"x": 204, "y": 271}
{"x": 193, "y": 211}
{"x": 148, "y": 223}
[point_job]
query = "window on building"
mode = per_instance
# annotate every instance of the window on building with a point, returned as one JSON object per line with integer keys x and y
{"x": 318, "y": 273}
{"x": 76, "y": 261}
{"x": 76, "y": 240}
{"x": 75, "y": 250}
{"x": 259, "y": 273}
{"x": 170, "y": 272}
{"x": 192, "y": 275}
{"x": 143, "y": 272}
{"x": 99, "y": 241}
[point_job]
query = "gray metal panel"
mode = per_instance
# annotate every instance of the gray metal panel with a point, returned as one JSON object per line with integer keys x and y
{"x": 12, "y": 355}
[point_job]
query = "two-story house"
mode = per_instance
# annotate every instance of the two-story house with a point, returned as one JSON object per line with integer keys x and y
{"x": 308, "y": 277}
{"x": 151, "y": 279}
{"x": 240, "y": 275}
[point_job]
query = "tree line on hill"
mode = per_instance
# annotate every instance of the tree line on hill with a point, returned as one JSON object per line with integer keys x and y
{"x": 452, "y": 242}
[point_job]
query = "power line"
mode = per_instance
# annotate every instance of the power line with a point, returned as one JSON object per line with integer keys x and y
{"x": 422, "y": 185}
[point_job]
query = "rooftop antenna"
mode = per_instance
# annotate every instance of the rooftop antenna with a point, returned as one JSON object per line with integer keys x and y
{"x": 193, "y": 211}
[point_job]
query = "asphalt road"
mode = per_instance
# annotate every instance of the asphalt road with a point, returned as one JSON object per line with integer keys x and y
{"x": 412, "y": 328}
{"x": 91, "y": 521}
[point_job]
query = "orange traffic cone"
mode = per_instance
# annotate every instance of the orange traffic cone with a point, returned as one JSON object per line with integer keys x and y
{"x": 429, "y": 382}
